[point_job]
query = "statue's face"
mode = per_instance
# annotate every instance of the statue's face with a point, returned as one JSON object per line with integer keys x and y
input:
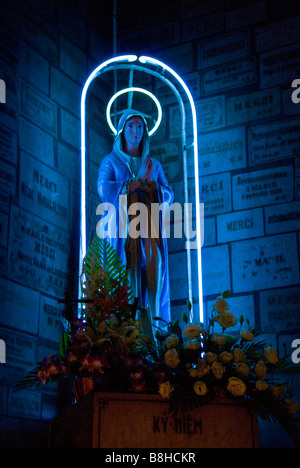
{"x": 133, "y": 131}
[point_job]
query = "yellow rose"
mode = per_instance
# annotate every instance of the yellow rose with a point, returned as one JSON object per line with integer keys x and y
{"x": 271, "y": 354}
{"x": 192, "y": 345}
{"x": 242, "y": 370}
{"x": 171, "y": 341}
{"x": 210, "y": 357}
{"x": 202, "y": 368}
{"x": 226, "y": 357}
{"x": 291, "y": 406}
{"x": 219, "y": 339}
{"x": 192, "y": 331}
{"x": 226, "y": 320}
{"x": 236, "y": 386}
{"x": 261, "y": 385}
{"x": 193, "y": 373}
{"x": 200, "y": 388}
{"x": 247, "y": 335}
{"x": 221, "y": 306}
{"x": 165, "y": 389}
{"x": 278, "y": 390}
{"x": 261, "y": 370}
{"x": 238, "y": 355}
{"x": 172, "y": 358}
{"x": 217, "y": 370}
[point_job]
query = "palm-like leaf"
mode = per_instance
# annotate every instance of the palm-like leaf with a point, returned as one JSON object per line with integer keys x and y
{"x": 102, "y": 256}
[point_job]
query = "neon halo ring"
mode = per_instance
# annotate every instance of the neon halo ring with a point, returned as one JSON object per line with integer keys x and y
{"x": 128, "y": 90}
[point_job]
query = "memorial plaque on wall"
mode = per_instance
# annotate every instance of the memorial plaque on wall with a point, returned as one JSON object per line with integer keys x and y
{"x": 44, "y": 191}
{"x": 179, "y": 57}
{"x": 192, "y": 80}
{"x": 98, "y": 146}
{"x": 277, "y": 140}
{"x": 164, "y": 93}
{"x": 210, "y": 113}
{"x": 264, "y": 263}
{"x": 284, "y": 217}
{"x": 21, "y": 305}
{"x": 34, "y": 68}
{"x": 8, "y": 111}
{"x": 3, "y": 229}
{"x": 159, "y": 37}
{"x": 50, "y": 325}
{"x": 36, "y": 142}
{"x": 198, "y": 27}
{"x": 229, "y": 75}
{"x": 280, "y": 66}
{"x": 175, "y": 125}
{"x": 24, "y": 404}
{"x": 68, "y": 162}
{"x": 170, "y": 157}
{"x": 240, "y": 225}
{"x": 44, "y": 39}
{"x": 253, "y": 13}
{"x": 8, "y": 145}
{"x": 289, "y": 108}
{"x": 253, "y": 106}
{"x": 38, "y": 254}
{"x": 215, "y": 270}
{"x": 264, "y": 187}
{"x": 224, "y": 49}
{"x": 38, "y": 108}
{"x": 65, "y": 91}
{"x": 277, "y": 34}
{"x": 8, "y": 178}
{"x": 215, "y": 193}
{"x": 222, "y": 151}
{"x": 281, "y": 310}
{"x": 20, "y": 355}
{"x": 70, "y": 129}
{"x": 72, "y": 60}
{"x": 178, "y": 275}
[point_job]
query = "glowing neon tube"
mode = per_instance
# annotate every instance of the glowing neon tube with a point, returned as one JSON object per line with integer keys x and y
{"x": 150, "y": 60}
{"x": 122, "y": 58}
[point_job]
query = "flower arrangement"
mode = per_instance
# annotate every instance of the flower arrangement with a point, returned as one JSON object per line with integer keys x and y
{"x": 188, "y": 365}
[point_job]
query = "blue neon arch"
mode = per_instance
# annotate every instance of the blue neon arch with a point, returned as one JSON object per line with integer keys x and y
{"x": 127, "y": 61}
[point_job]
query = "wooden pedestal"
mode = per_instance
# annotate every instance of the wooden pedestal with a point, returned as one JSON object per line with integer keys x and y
{"x": 112, "y": 420}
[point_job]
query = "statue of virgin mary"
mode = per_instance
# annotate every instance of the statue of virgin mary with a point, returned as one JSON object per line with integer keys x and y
{"x": 129, "y": 173}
